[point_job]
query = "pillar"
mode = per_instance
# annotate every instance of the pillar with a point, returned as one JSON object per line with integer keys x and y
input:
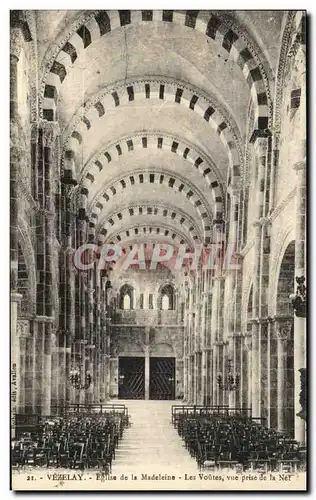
{"x": 16, "y": 149}
{"x": 283, "y": 329}
{"x": 300, "y": 247}
{"x": 147, "y": 372}
{"x": 299, "y": 322}
{"x": 16, "y": 44}
{"x": 246, "y": 373}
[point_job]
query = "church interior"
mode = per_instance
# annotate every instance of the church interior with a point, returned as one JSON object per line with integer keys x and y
{"x": 158, "y": 129}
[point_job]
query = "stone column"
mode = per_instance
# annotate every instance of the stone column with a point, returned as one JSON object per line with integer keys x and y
{"x": 47, "y": 372}
{"x": 260, "y": 148}
{"x": 300, "y": 243}
{"x": 264, "y": 388}
{"x": 273, "y": 374}
{"x": 214, "y": 376}
{"x": 147, "y": 372}
{"x": 300, "y": 322}
{"x": 231, "y": 354}
{"x": 255, "y": 372}
{"x": 283, "y": 329}
{"x": 16, "y": 152}
{"x": 247, "y": 372}
{"x": 16, "y": 44}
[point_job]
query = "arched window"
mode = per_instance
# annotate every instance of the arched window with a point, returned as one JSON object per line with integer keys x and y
{"x": 126, "y": 302}
{"x": 167, "y": 298}
{"x": 150, "y": 301}
{"x": 165, "y": 303}
{"x": 127, "y": 297}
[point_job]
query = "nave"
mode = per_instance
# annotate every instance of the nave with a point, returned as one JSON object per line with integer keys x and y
{"x": 172, "y": 145}
{"x": 155, "y": 441}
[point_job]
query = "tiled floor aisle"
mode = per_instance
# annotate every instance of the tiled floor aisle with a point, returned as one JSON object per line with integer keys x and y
{"x": 151, "y": 444}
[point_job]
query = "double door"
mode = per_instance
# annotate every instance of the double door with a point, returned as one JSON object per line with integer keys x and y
{"x": 132, "y": 382}
{"x": 162, "y": 378}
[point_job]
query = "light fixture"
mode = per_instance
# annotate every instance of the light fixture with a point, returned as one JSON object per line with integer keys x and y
{"x": 76, "y": 381}
{"x": 231, "y": 383}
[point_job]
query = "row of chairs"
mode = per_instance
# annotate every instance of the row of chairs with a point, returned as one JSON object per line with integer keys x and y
{"x": 232, "y": 441}
{"x": 76, "y": 442}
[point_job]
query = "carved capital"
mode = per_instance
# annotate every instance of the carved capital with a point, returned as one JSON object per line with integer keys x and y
{"x": 283, "y": 330}
{"x": 16, "y": 154}
{"x": 23, "y": 328}
{"x": 50, "y": 132}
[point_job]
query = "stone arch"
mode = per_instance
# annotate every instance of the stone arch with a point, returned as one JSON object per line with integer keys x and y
{"x": 232, "y": 38}
{"x": 130, "y": 348}
{"x": 285, "y": 281}
{"x": 293, "y": 35}
{"x": 161, "y": 142}
{"x": 283, "y": 240}
{"x": 165, "y": 177}
{"x": 168, "y": 212}
{"x": 166, "y": 290}
{"x": 127, "y": 291}
{"x": 161, "y": 349}
{"x": 142, "y": 230}
{"x": 166, "y": 90}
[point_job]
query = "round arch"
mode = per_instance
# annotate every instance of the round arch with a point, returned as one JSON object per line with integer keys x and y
{"x": 165, "y": 177}
{"x": 283, "y": 240}
{"x": 169, "y": 212}
{"x": 214, "y": 26}
{"x": 140, "y": 231}
{"x": 164, "y": 90}
{"x": 285, "y": 281}
{"x": 161, "y": 349}
{"x": 161, "y": 142}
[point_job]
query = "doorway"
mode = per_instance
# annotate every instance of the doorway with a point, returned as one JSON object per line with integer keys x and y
{"x": 131, "y": 379}
{"x": 162, "y": 378}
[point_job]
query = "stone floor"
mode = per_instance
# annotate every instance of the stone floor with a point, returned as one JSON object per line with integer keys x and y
{"x": 151, "y": 444}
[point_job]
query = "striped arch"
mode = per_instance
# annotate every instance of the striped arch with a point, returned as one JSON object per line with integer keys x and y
{"x": 161, "y": 142}
{"x": 167, "y": 212}
{"x": 148, "y": 230}
{"x": 231, "y": 38}
{"x": 88, "y": 117}
{"x": 162, "y": 177}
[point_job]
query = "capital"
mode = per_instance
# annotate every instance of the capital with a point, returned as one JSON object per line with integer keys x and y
{"x": 283, "y": 329}
{"x": 50, "y": 132}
